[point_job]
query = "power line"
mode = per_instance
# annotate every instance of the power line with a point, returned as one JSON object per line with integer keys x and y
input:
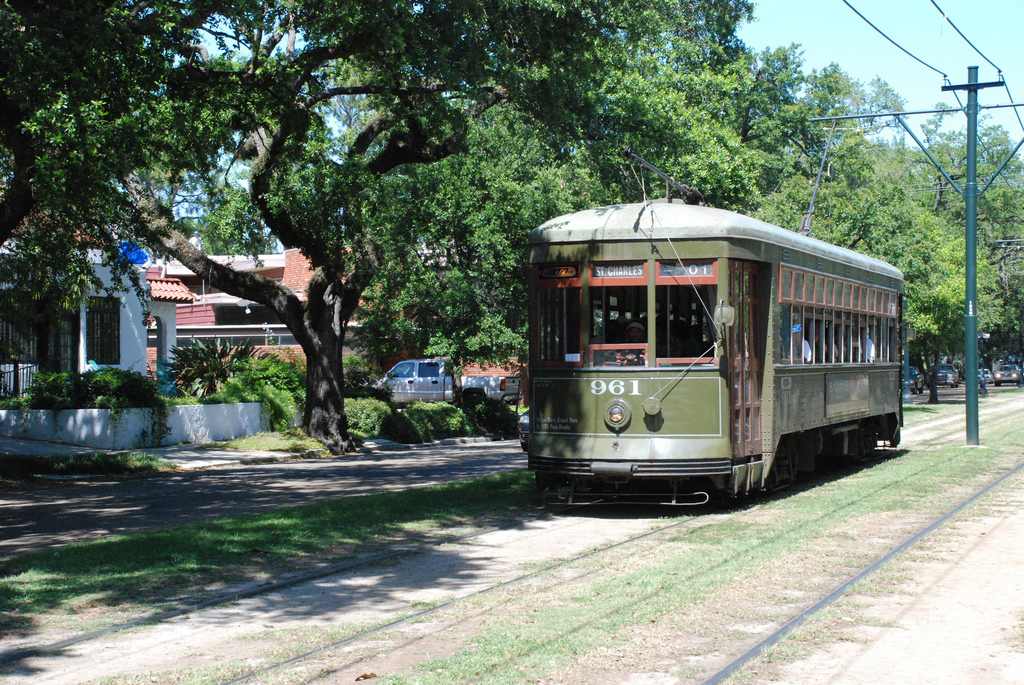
{"x": 950, "y": 22}
{"x": 1015, "y": 110}
{"x": 983, "y": 56}
{"x": 907, "y": 52}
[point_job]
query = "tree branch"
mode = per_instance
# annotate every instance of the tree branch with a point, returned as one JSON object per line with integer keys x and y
{"x": 243, "y": 284}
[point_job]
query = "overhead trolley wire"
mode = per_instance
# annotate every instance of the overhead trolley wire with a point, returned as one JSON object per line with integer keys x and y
{"x": 950, "y": 22}
{"x": 882, "y": 33}
{"x": 983, "y": 56}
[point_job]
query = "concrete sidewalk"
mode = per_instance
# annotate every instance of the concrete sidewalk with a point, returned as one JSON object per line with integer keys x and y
{"x": 206, "y": 455}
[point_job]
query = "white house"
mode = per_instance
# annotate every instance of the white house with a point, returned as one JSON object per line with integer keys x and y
{"x": 109, "y": 331}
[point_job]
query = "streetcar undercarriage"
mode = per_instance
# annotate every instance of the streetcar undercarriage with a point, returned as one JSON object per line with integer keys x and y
{"x": 691, "y": 482}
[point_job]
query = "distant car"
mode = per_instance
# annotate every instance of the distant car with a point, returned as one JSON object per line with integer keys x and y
{"x": 1007, "y": 373}
{"x": 986, "y": 376}
{"x": 916, "y": 382}
{"x": 946, "y": 374}
{"x": 524, "y": 431}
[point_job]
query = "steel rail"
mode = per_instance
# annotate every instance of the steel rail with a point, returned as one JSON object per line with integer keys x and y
{"x": 839, "y": 591}
{"x": 334, "y": 569}
{"x": 452, "y": 602}
{"x": 509, "y": 583}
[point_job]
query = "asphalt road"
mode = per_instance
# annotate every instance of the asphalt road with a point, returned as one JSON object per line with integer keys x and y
{"x": 49, "y": 518}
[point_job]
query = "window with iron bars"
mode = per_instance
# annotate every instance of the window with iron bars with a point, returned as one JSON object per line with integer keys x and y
{"x": 103, "y": 330}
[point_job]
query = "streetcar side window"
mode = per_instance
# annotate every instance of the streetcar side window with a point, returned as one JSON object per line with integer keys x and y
{"x": 851, "y": 323}
{"x": 797, "y": 327}
{"x": 786, "y": 334}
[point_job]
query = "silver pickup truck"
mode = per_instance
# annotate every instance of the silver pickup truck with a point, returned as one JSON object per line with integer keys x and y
{"x": 428, "y": 380}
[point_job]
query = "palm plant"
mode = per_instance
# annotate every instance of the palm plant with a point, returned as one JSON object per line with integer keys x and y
{"x": 202, "y": 367}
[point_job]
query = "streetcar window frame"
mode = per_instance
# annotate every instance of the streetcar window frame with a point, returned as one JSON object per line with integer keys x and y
{"x": 841, "y": 321}
{"x": 700, "y": 276}
{"x": 565, "y": 279}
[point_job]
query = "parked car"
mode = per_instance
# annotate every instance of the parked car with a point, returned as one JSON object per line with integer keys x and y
{"x": 986, "y": 377}
{"x": 524, "y": 431}
{"x": 946, "y": 374}
{"x": 428, "y": 380}
{"x": 917, "y": 383}
{"x": 1006, "y": 373}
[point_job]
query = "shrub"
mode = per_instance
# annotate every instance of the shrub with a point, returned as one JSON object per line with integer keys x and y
{"x": 275, "y": 372}
{"x": 397, "y": 427}
{"x": 438, "y": 420}
{"x": 367, "y": 415}
{"x": 108, "y": 388}
{"x": 494, "y": 417}
{"x": 362, "y": 379}
{"x": 276, "y": 402}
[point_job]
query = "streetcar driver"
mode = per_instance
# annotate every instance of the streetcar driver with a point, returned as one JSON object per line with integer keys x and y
{"x": 635, "y": 333}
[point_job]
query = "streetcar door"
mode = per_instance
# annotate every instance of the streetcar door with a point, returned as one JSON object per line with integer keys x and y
{"x": 746, "y": 358}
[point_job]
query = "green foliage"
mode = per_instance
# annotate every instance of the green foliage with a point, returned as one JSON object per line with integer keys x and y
{"x": 438, "y": 420}
{"x": 277, "y": 402}
{"x": 254, "y": 371}
{"x": 363, "y": 379}
{"x": 202, "y": 367}
{"x": 108, "y": 388}
{"x": 367, "y": 415}
{"x": 494, "y": 417}
{"x": 398, "y": 427}
{"x": 425, "y": 422}
{"x": 21, "y": 467}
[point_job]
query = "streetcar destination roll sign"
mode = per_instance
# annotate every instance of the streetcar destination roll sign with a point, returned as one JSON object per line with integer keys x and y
{"x": 618, "y": 270}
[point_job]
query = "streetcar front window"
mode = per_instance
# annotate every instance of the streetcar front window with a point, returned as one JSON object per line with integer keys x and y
{"x": 618, "y": 325}
{"x": 685, "y": 325}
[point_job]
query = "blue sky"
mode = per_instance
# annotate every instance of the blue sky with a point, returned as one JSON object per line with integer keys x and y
{"x": 829, "y": 31}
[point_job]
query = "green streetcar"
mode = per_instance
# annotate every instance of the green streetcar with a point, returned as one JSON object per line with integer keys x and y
{"x": 683, "y": 350}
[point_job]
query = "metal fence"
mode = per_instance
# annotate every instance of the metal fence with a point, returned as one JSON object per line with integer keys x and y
{"x": 16, "y": 377}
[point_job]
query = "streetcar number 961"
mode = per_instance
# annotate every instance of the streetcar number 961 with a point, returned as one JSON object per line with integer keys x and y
{"x": 614, "y": 387}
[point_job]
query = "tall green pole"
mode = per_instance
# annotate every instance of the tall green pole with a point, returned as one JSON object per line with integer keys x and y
{"x": 971, "y": 304}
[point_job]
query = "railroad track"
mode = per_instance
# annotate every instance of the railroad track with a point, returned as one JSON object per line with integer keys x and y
{"x": 946, "y": 425}
{"x": 751, "y": 654}
{"x": 341, "y": 661}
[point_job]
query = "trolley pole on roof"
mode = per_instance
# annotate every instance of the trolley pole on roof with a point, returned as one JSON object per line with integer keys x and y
{"x": 971, "y": 206}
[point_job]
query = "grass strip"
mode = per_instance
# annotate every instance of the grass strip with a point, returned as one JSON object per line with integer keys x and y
{"x": 24, "y": 467}
{"x": 287, "y": 441}
{"x": 545, "y": 632}
{"x": 190, "y": 562}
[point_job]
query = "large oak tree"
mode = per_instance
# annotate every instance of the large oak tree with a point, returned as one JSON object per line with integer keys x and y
{"x": 289, "y": 119}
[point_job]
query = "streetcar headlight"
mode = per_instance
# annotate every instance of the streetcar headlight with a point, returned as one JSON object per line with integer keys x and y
{"x": 617, "y": 414}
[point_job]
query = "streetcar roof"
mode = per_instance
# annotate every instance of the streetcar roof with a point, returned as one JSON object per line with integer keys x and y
{"x": 661, "y": 220}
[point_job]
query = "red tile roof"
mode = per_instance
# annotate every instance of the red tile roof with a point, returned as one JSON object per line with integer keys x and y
{"x": 169, "y": 290}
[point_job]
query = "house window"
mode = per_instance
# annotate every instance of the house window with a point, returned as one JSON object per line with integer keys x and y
{"x": 103, "y": 330}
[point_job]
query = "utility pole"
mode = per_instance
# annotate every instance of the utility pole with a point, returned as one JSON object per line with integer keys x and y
{"x": 970, "y": 193}
{"x": 971, "y": 300}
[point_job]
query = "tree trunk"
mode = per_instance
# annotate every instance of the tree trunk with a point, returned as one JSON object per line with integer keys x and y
{"x": 323, "y": 342}
{"x": 330, "y": 305}
{"x": 324, "y": 416}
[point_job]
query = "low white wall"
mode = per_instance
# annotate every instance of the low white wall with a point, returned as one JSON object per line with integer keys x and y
{"x": 135, "y": 427}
